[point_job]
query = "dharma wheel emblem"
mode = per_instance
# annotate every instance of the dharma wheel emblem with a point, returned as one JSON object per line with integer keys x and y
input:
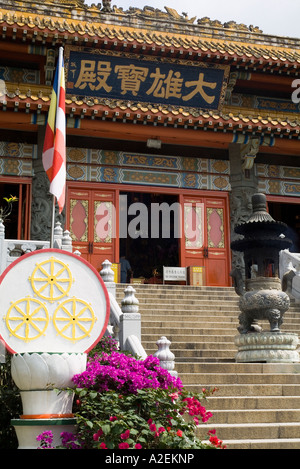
{"x": 74, "y": 319}
{"x": 52, "y": 301}
{"x": 51, "y": 279}
{"x": 27, "y": 319}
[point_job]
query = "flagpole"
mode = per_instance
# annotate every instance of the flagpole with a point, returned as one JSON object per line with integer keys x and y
{"x": 54, "y": 152}
{"x": 52, "y": 223}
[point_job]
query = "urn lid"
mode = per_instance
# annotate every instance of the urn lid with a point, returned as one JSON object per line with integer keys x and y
{"x": 260, "y": 218}
{"x": 261, "y": 230}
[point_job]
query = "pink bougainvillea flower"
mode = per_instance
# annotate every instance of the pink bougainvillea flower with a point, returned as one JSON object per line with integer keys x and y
{"x": 103, "y": 446}
{"x": 179, "y": 433}
{"x": 123, "y": 445}
{"x": 125, "y": 435}
{"x": 138, "y": 446}
{"x": 97, "y": 435}
{"x": 152, "y": 427}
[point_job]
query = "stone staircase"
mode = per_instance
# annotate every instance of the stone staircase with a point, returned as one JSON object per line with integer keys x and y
{"x": 257, "y": 405}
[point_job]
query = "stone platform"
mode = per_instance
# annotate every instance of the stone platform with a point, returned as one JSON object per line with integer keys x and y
{"x": 267, "y": 347}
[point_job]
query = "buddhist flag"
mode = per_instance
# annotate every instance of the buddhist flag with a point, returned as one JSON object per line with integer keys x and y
{"x": 54, "y": 151}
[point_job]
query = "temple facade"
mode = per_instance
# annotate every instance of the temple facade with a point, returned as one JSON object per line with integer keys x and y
{"x": 172, "y": 124}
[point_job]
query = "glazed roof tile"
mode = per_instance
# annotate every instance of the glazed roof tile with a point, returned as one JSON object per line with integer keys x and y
{"x": 218, "y": 41}
{"x": 37, "y": 98}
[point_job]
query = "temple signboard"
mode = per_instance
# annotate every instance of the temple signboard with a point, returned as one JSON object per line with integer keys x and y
{"x": 118, "y": 76}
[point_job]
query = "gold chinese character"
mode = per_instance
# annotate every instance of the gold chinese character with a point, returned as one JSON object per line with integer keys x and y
{"x": 199, "y": 85}
{"x": 173, "y": 84}
{"x": 103, "y": 72}
{"x": 131, "y": 77}
{"x": 87, "y": 74}
{"x": 94, "y": 79}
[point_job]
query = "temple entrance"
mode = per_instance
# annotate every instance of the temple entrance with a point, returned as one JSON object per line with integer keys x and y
{"x": 288, "y": 212}
{"x": 149, "y": 227}
{"x": 153, "y": 228}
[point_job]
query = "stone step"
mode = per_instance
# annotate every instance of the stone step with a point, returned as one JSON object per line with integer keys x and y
{"x": 193, "y": 314}
{"x": 233, "y": 368}
{"x": 219, "y": 379}
{"x": 241, "y": 403}
{"x": 249, "y": 389}
{"x": 190, "y": 324}
{"x": 195, "y": 306}
{"x": 196, "y": 342}
{"x": 189, "y": 350}
{"x": 255, "y": 405}
{"x": 164, "y": 287}
{"x": 264, "y": 416}
{"x": 184, "y": 296}
{"x": 157, "y": 330}
{"x": 252, "y": 431}
{"x": 269, "y": 444}
{"x": 186, "y": 355}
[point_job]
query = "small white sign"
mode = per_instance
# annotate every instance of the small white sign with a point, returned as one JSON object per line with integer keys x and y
{"x": 174, "y": 274}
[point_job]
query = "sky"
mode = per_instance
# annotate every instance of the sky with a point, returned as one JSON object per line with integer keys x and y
{"x": 275, "y": 17}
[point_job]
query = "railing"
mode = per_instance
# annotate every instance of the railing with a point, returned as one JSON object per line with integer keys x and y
{"x": 289, "y": 272}
{"x": 125, "y": 321}
{"x": 11, "y": 249}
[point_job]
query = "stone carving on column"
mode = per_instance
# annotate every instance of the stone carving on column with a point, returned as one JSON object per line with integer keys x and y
{"x": 249, "y": 152}
{"x": 243, "y": 186}
{"x": 41, "y": 207}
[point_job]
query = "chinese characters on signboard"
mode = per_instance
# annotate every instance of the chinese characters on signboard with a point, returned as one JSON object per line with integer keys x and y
{"x": 123, "y": 77}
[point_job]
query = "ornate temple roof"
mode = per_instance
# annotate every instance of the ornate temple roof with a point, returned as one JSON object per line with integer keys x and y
{"x": 146, "y": 30}
{"x": 149, "y": 27}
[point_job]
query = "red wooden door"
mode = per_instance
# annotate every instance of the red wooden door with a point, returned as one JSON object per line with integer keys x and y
{"x": 91, "y": 220}
{"x": 218, "y": 253}
{"x": 205, "y": 237}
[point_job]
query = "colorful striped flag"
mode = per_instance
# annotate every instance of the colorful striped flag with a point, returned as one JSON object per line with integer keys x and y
{"x": 54, "y": 151}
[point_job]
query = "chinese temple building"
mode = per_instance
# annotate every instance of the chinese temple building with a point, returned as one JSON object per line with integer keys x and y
{"x": 162, "y": 110}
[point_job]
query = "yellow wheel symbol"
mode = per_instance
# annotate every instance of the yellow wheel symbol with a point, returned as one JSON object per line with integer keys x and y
{"x": 74, "y": 319}
{"x": 51, "y": 279}
{"x": 27, "y": 319}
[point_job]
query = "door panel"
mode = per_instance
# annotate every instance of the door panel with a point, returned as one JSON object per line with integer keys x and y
{"x": 92, "y": 219}
{"x": 217, "y": 271}
{"x": 206, "y": 238}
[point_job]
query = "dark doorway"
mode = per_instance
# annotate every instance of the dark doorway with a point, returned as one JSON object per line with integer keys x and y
{"x": 155, "y": 242}
{"x": 289, "y": 214}
{"x": 17, "y": 222}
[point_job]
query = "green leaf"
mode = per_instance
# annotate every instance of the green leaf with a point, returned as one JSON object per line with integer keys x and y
{"x": 106, "y": 429}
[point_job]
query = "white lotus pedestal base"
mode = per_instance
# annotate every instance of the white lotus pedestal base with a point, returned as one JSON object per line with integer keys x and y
{"x": 267, "y": 347}
{"x": 28, "y": 429}
{"x": 41, "y": 379}
{"x": 49, "y": 404}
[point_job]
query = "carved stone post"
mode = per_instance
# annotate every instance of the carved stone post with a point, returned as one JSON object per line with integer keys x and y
{"x": 107, "y": 276}
{"x": 131, "y": 318}
{"x": 165, "y": 356}
{"x": 67, "y": 241}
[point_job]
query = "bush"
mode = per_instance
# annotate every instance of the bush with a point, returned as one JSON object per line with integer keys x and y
{"x": 10, "y": 406}
{"x": 122, "y": 402}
